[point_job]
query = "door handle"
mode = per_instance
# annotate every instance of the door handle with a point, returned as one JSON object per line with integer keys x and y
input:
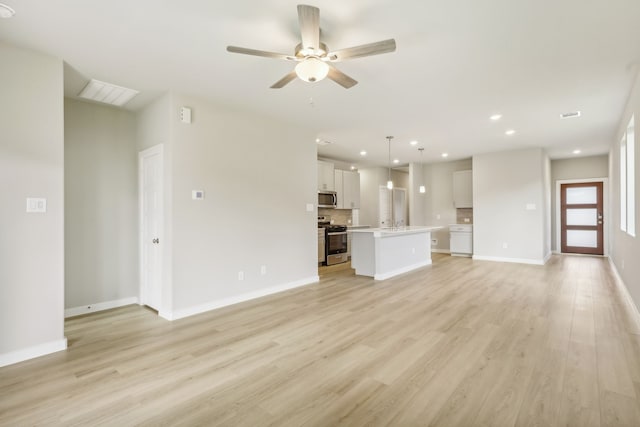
{"x": 155, "y": 241}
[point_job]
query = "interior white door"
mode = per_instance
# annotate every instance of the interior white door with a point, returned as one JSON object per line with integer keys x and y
{"x": 151, "y": 226}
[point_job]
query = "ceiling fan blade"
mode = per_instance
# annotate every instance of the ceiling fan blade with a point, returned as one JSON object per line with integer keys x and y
{"x": 244, "y": 50}
{"x": 309, "y": 21}
{"x": 369, "y": 49}
{"x": 285, "y": 80}
{"x": 341, "y": 78}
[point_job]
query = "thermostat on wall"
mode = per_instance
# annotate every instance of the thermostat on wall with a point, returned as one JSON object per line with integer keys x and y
{"x": 197, "y": 195}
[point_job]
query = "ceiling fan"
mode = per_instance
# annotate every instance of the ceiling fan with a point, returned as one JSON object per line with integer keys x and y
{"x": 313, "y": 57}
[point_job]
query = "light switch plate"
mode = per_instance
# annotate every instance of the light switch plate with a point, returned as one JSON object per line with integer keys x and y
{"x": 36, "y": 205}
{"x": 531, "y": 206}
{"x": 309, "y": 207}
{"x": 197, "y": 194}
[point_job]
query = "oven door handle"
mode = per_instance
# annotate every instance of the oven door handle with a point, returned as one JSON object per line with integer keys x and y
{"x": 337, "y": 233}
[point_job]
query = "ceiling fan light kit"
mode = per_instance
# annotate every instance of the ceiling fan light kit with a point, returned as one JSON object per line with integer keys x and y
{"x": 312, "y": 69}
{"x": 314, "y": 57}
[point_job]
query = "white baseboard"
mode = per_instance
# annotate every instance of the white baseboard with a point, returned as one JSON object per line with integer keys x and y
{"x": 392, "y": 273}
{"x": 547, "y": 257}
{"x": 625, "y": 292}
{"x": 515, "y": 260}
{"x": 106, "y": 305}
{"x": 212, "y": 305}
{"x": 441, "y": 251}
{"x": 32, "y": 352}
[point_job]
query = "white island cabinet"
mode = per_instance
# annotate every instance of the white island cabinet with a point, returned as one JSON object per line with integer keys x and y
{"x": 382, "y": 253}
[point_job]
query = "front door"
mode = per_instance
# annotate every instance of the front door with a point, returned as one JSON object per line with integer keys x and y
{"x": 151, "y": 227}
{"x": 581, "y": 213}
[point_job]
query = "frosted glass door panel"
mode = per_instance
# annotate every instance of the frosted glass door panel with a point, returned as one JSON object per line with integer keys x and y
{"x": 582, "y": 238}
{"x": 582, "y": 195}
{"x": 582, "y": 216}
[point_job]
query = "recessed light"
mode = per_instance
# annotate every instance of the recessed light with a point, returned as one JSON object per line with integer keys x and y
{"x": 445, "y": 154}
{"x": 363, "y": 153}
{"x": 6, "y": 11}
{"x": 496, "y": 117}
{"x": 414, "y": 142}
{"x": 353, "y": 167}
{"x": 577, "y": 151}
{"x": 396, "y": 161}
{"x": 318, "y": 140}
{"x": 570, "y": 115}
{"x": 510, "y": 132}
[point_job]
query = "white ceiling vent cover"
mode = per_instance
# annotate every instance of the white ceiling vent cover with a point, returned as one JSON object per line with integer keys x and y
{"x": 107, "y": 93}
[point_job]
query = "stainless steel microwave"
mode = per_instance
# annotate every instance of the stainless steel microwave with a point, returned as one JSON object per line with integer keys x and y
{"x": 327, "y": 199}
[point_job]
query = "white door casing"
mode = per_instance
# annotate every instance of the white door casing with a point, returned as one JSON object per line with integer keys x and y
{"x": 150, "y": 197}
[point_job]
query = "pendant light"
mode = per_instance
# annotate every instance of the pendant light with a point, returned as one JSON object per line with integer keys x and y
{"x": 389, "y": 182}
{"x": 422, "y": 187}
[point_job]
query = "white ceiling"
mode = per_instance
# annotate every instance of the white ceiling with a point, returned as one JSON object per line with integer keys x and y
{"x": 457, "y": 63}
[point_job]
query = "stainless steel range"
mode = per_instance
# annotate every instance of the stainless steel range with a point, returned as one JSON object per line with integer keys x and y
{"x": 335, "y": 241}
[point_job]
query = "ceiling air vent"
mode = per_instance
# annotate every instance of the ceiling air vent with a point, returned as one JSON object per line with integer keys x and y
{"x": 570, "y": 115}
{"x": 107, "y": 93}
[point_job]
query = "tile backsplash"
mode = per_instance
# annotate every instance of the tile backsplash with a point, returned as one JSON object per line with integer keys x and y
{"x": 462, "y": 213}
{"x": 338, "y": 216}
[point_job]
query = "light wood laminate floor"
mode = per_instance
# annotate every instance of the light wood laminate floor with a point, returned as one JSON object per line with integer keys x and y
{"x": 458, "y": 343}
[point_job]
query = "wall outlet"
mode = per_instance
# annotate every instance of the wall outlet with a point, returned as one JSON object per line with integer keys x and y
{"x": 309, "y": 207}
{"x": 505, "y": 245}
{"x": 240, "y": 275}
{"x": 36, "y": 205}
{"x": 263, "y": 270}
{"x": 434, "y": 242}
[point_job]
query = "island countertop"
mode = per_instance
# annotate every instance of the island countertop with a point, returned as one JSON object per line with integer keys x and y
{"x": 394, "y": 231}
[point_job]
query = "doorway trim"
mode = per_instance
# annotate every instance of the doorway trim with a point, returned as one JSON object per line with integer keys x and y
{"x": 605, "y": 201}
{"x": 142, "y": 155}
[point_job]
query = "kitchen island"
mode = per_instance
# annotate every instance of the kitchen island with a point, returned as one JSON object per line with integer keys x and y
{"x": 382, "y": 253}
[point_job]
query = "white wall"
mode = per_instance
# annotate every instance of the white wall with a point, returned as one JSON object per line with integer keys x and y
{"x": 31, "y": 244}
{"x": 438, "y": 199}
{"x": 101, "y": 231}
{"x": 503, "y": 184}
{"x": 575, "y": 168}
{"x": 254, "y": 211}
{"x": 625, "y": 249}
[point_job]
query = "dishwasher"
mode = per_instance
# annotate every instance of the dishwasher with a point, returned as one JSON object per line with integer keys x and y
{"x": 461, "y": 239}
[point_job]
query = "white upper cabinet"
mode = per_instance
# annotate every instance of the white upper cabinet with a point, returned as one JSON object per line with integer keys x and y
{"x": 463, "y": 189}
{"x": 351, "y": 189}
{"x": 348, "y": 189}
{"x": 325, "y": 176}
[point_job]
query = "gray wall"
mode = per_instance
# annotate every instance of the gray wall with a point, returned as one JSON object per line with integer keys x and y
{"x": 576, "y": 168}
{"x": 625, "y": 249}
{"x": 503, "y": 184}
{"x": 254, "y": 211}
{"x": 101, "y": 232}
{"x": 31, "y": 244}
